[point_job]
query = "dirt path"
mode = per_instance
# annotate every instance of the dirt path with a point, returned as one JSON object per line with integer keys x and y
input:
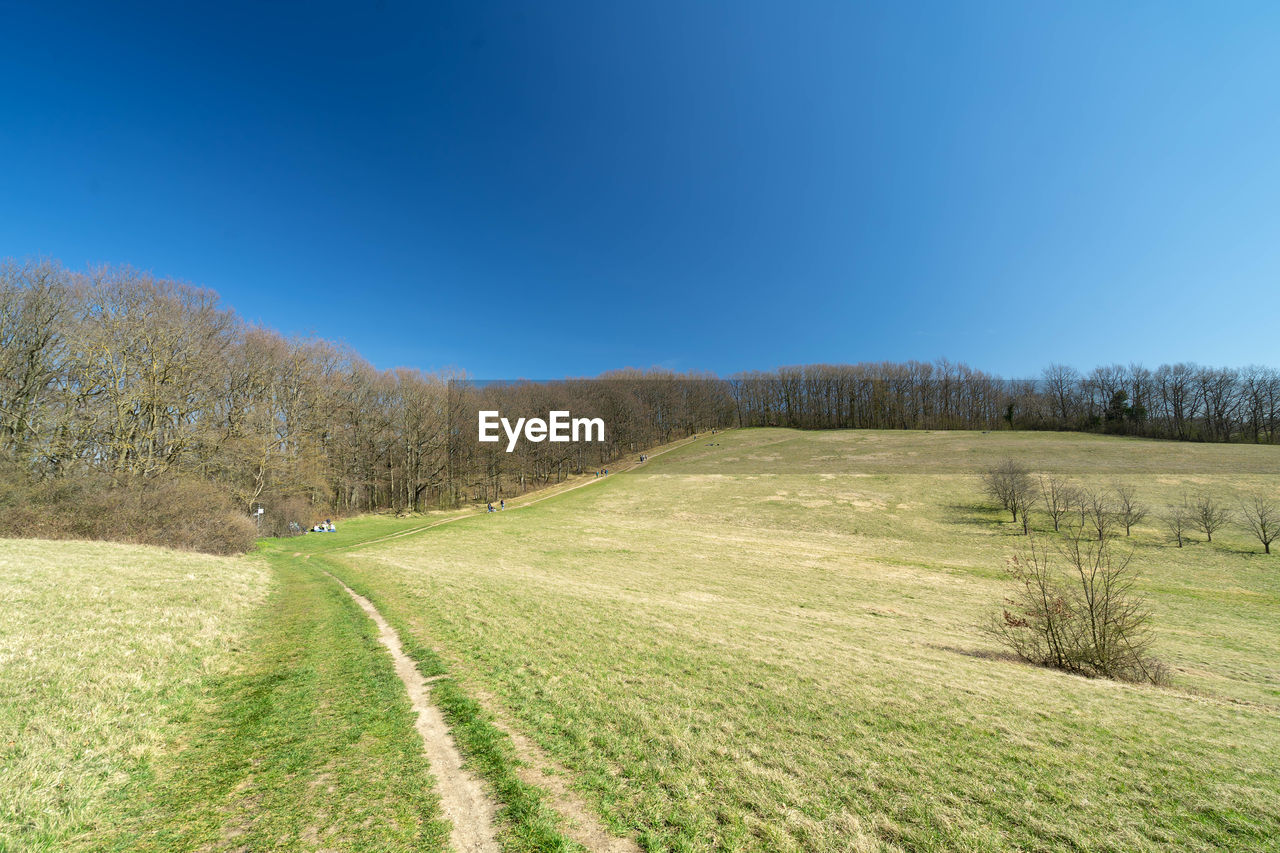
{"x": 584, "y": 825}
{"x": 462, "y": 797}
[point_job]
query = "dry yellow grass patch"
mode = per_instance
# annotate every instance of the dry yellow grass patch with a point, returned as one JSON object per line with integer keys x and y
{"x": 101, "y": 649}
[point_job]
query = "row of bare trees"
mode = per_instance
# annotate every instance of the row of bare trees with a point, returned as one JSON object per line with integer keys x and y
{"x": 131, "y": 379}
{"x": 1104, "y": 511}
{"x": 135, "y": 379}
{"x": 1075, "y": 604}
{"x": 1181, "y": 401}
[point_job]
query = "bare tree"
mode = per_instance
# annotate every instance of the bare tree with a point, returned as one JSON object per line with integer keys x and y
{"x": 1261, "y": 515}
{"x": 1128, "y": 511}
{"x": 1208, "y": 515}
{"x": 1009, "y": 484}
{"x": 1098, "y": 513}
{"x": 1024, "y": 498}
{"x": 1058, "y": 497}
{"x": 1177, "y": 520}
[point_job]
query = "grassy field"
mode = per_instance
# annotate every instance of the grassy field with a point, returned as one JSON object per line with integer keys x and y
{"x": 153, "y": 700}
{"x": 102, "y": 651}
{"x": 763, "y": 640}
{"x": 769, "y": 640}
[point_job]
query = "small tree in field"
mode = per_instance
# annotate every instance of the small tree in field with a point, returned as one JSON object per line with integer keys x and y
{"x": 1084, "y": 617}
{"x": 1097, "y": 513}
{"x": 1209, "y": 515}
{"x": 1128, "y": 511}
{"x": 1009, "y": 484}
{"x": 1058, "y": 497}
{"x": 1177, "y": 520}
{"x": 1261, "y": 515}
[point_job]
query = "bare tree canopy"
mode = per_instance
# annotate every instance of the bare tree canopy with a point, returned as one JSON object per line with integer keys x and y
{"x": 1009, "y": 484}
{"x": 1098, "y": 512}
{"x": 1129, "y": 511}
{"x": 1209, "y": 514}
{"x": 1058, "y": 496}
{"x": 1177, "y": 519}
{"x": 1261, "y": 515}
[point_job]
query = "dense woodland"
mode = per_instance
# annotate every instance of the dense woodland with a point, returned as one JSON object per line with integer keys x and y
{"x": 113, "y": 382}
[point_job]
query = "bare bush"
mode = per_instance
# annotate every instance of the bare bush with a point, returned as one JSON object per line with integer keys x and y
{"x": 1208, "y": 515}
{"x": 1084, "y": 617}
{"x": 175, "y": 512}
{"x": 1129, "y": 512}
{"x": 1261, "y": 516}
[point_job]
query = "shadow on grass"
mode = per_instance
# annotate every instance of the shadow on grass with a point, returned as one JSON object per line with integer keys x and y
{"x": 980, "y": 515}
{"x": 981, "y": 654}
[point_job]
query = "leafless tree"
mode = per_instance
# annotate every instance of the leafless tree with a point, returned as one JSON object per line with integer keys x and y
{"x": 1177, "y": 519}
{"x": 1098, "y": 513}
{"x": 1009, "y": 484}
{"x": 1129, "y": 511}
{"x": 1058, "y": 496}
{"x": 1208, "y": 514}
{"x": 1261, "y": 515}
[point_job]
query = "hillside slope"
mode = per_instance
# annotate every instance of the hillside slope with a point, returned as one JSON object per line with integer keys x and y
{"x": 770, "y": 640}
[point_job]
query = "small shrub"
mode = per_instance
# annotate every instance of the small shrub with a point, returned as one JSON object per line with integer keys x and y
{"x": 1084, "y": 617}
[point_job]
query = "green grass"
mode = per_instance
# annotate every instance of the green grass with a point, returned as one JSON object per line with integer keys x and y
{"x": 103, "y": 651}
{"x": 157, "y": 700}
{"x": 308, "y": 745}
{"x": 526, "y": 823}
{"x": 165, "y": 701}
{"x": 773, "y": 644}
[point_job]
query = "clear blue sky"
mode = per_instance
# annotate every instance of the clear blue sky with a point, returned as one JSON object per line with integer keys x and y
{"x": 549, "y": 189}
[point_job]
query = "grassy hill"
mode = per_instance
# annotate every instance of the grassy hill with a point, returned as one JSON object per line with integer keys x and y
{"x": 764, "y": 639}
{"x": 102, "y": 650}
{"x": 770, "y": 640}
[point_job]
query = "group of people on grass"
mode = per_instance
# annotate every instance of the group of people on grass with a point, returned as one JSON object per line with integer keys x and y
{"x": 324, "y": 527}
{"x": 502, "y": 504}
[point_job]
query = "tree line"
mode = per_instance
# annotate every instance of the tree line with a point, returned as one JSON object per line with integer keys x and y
{"x": 130, "y": 381}
{"x": 123, "y": 382}
{"x": 1181, "y": 401}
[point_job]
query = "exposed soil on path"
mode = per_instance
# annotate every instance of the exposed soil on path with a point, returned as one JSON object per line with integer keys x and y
{"x": 584, "y": 825}
{"x": 462, "y": 797}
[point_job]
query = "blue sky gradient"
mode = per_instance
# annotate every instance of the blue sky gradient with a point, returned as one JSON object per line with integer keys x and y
{"x": 560, "y": 189}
